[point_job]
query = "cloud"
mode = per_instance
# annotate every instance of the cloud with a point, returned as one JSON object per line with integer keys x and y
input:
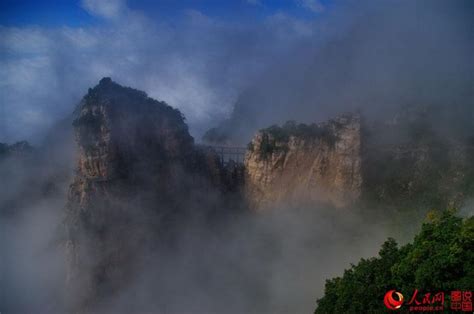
{"x": 16, "y": 40}
{"x": 314, "y": 6}
{"x": 201, "y": 64}
{"x": 357, "y": 56}
{"x": 289, "y": 27}
{"x": 198, "y": 64}
{"x": 108, "y": 9}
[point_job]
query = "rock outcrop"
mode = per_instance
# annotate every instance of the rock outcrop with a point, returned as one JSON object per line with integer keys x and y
{"x": 136, "y": 161}
{"x": 301, "y": 164}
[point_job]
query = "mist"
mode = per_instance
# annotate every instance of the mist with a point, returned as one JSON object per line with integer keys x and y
{"x": 270, "y": 264}
{"x": 33, "y": 194}
{"x": 242, "y": 262}
{"x": 352, "y": 55}
{"x": 369, "y": 56}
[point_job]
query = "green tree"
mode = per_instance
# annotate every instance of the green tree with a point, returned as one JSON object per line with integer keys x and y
{"x": 439, "y": 259}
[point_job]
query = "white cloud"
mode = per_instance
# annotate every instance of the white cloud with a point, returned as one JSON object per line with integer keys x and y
{"x": 19, "y": 40}
{"x": 288, "y": 27}
{"x": 197, "y": 65}
{"x": 314, "y": 6}
{"x": 108, "y": 9}
{"x": 80, "y": 37}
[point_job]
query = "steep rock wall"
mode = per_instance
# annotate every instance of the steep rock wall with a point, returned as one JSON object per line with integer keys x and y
{"x": 136, "y": 161}
{"x": 300, "y": 164}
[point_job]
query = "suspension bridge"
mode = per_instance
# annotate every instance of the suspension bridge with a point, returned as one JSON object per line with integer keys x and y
{"x": 228, "y": 153}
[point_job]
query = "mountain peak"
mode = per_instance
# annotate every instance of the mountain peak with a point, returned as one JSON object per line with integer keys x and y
{"x": 112, "y": 91}
{"x": 105, "y": 81}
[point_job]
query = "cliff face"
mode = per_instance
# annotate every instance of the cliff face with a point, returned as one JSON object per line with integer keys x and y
{"x": 300, "y": 164}
{"x": 119, "y": 128}
{"x": 411, "y": 161}
{"x": 136, "y": 161}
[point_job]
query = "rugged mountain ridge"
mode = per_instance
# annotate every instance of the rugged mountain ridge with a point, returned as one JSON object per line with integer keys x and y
{"x": 140, "y": 182}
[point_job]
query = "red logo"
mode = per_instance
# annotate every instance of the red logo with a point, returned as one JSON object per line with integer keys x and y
{"x": 461, "y": 301}
{"x": 430, "y": 302}
{"x": 390, "y": 302}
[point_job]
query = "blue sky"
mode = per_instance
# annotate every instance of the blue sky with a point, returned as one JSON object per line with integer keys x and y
{"x": 71, "y": 13}
{"x": 46, "y": 12}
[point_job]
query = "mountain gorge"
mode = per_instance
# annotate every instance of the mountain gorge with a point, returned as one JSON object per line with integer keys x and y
{"x": 146, "y": 212}
{"x": 256, "y": 156}
{"x": 136, "y": 160}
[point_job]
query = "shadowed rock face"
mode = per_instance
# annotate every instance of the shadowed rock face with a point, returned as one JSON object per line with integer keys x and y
{"x": 301, "y": 164}
{"x": 136, "y": 161}
{"x": 422, "y": 158}
{"x": 121, "y": 130}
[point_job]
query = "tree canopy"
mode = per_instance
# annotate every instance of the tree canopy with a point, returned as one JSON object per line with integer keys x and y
{"x": 441, "y": 258}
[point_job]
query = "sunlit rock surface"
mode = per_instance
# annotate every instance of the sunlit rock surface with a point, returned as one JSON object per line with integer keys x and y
{"x": 300, "y": 164}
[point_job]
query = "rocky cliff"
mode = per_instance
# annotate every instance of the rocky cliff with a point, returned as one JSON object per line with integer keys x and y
{"x": 136, "y": 160}
{"x": 410, "y": 161}
{"x": 298, "y": 164}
